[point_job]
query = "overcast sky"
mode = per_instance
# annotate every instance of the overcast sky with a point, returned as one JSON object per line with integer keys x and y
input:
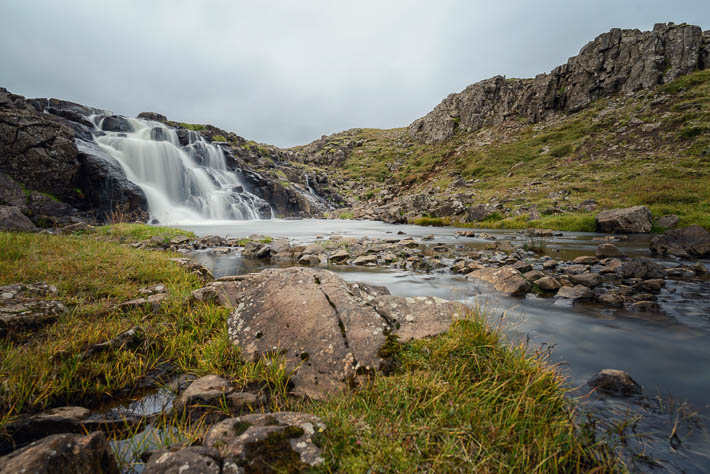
{"x": 287, "y": 72}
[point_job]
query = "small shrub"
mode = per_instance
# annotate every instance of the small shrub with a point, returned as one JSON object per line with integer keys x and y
{"x": 431, "y": 221}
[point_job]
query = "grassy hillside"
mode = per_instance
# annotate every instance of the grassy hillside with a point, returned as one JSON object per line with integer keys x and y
{"x": 652, "y": 148}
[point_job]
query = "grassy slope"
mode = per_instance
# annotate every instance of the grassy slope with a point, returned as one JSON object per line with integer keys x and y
{"x": 462, "y": 401}
{"x": 606, "y": 152}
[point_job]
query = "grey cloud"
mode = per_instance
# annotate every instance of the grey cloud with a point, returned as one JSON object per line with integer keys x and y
{"x": 287, "y": 72}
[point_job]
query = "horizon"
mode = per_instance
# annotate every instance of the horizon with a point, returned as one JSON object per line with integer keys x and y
{"x": 267, "y": 74}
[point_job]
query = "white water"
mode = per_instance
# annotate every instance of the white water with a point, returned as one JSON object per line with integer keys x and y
{"x": 183, "y": 185}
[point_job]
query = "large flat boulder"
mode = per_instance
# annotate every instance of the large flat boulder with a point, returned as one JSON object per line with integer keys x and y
{"x": 328, "y": 330}
{"x": 629, "y": 220}
{"x": 693, "y": 241}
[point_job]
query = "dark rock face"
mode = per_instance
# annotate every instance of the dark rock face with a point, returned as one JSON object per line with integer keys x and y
{"x": 630, "y": 220}
{"x": 618, "y": 61}
{"x": 63, "y": 453}
{"x": 36, "y": 150}
{"x": 12, "y": 218}
{"x": 693, "y": 241}
{"x": 642, "y": 268}
{"x": 615, "y": 382}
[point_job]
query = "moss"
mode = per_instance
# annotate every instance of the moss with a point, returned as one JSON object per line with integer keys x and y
{"x": 218, "y": 138}
{"x": 430, "y": 221}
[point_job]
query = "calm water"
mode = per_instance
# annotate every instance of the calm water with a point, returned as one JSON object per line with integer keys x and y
{"x": 667, "y": 353}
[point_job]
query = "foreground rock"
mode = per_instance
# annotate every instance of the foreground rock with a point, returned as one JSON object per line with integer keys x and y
{"x": 269, "y": 442}
{"x": 24, "y": 307}
{"x": 615, "y": 382}
{"x": 12, "y": 218}
{"x": 192, "y": 460}
{"x": 214, "y": 391}
{"x": 327, "y": 329}
{"x": 63, "y": 453}
{"x": 630, "y": 220}
{"x": 693, "y": 241}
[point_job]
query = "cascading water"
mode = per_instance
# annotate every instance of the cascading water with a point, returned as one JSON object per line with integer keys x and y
{"x": 185, "y": 178}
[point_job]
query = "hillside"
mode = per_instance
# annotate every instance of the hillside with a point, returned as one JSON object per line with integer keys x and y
{"x": 649, "y": 147}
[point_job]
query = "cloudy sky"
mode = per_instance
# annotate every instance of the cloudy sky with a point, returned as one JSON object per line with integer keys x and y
{"x": 287, "y": 72}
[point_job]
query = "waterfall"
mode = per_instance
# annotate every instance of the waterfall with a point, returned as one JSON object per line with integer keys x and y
{"x": 184, "y": 177}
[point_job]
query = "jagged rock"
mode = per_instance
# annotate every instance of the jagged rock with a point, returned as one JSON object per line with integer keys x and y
{"x": 609, "y": 251}
{"x": 575, "y": 293}
{"x": 587, "y": 279}
{"x": 194, "y": 267}
{"x": 24, "y": 307}
{"x": 522, "y": 267}
{"x": 479, "y": 212}
{"x": 269, "y": 442}
{"x": 642, "y": 268}
{"x": 618, "y": 61}
{"x": 12, "y": 218}
{"x": 339, "y": 256}
{"x": 279, "y": 246}
{"x": 256, "y": 250}
{"x": 693, "y": 241}
{"x": 611, "y": 265}
{"x": 63, "y": 453}
{"x": 615, "y": 382}
{"x": 629, "y": 220}
{"x": 548, "y": 284}
{"x": 505, "y": 279}
{"x": 191, "y": 460}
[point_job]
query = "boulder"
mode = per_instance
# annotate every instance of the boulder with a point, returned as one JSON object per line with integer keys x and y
{"x": 585, "y": 260}
{"x": 339, "y": 256}
{"x": 328, "y": 330}
{"x": 587, "y": 279}
{"x": 575, "y": 293}
{"x": 642, "y": 268}
{"x": 608, "y": 250}
{"x": 548, "y": 284}
{"x": 269, "y": 442}
{"x": 365, "y": 260}
{"x": 667, "y": 222}
{"x": 12, "y": 218}
{"x": 505, "y": 279}
{"x": 63, "y": 453}
{"x": 29, "y": 428}
{"x": 615, "y": 382}
{"x": 628, "y": 220}
{"x": 688, "y": 242}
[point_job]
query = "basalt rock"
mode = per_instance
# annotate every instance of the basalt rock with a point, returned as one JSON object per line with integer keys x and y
{"x": 623, "y": 61}
{"x": 642, "y": 268}
{"x": 12, "y": 218}
{"x": 615, "y": 382}
{"x": 693, "y": 241}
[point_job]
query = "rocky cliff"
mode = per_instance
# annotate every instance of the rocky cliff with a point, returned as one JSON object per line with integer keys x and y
{"x": 623, "y": 61}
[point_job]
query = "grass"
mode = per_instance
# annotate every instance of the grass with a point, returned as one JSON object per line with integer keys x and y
{"x": 135, "y": 232}
{"x": 652, "y": 149}
{"x": 462, "y": 401}
{"x": 430, "y": 221}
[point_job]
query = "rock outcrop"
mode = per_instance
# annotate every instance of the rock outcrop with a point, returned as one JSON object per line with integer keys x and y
{"x": 12, "y": 218}
{"x": 623, "y": 61}
{"x": 328, "y": 330}
{"x": 692, "y": 241}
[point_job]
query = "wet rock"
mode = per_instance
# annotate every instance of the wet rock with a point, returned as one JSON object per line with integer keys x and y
{"x": 585, "y": 260}
{"x": 644, "y": 306}
{"x": 629, "y": 220}
{"x": 279, "y": 246}
{"x": 207, "y": 390}
{"x": 548, "y": 284}
{"x": 191, "y": 460}
{"x": 575, "y": 293}
{"x": 308, "y": 259}
{"x": 522, "y": 267}
{"x": 650, "y": 286}
{"x": 193, "y": 267}
{"x": 575, "y": 269}
{"x": 549, "y": 264}
{"x": 611, "y": 265}
{"x": 609, "y": 251}
{"x": 642, "y": 268}
{"x": 23, "y": 307}
{"x": 365, "y": 260}
{"x": 63, "y": 453}
{"x": 533, "y": 275}
{"x": 693, "y": 241}
{"x": 505, "y": 279}
{"x": 615, "y": 382}
{"x": 466, "y": 233}
{"x": 12, "y": 218}
{"x": 587, "y": 279}
{"x": 269, "y": 442}
{"x": 256, "y": 250}
{"x": 679, "y": 272}
{"x": 611, "y": 298}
